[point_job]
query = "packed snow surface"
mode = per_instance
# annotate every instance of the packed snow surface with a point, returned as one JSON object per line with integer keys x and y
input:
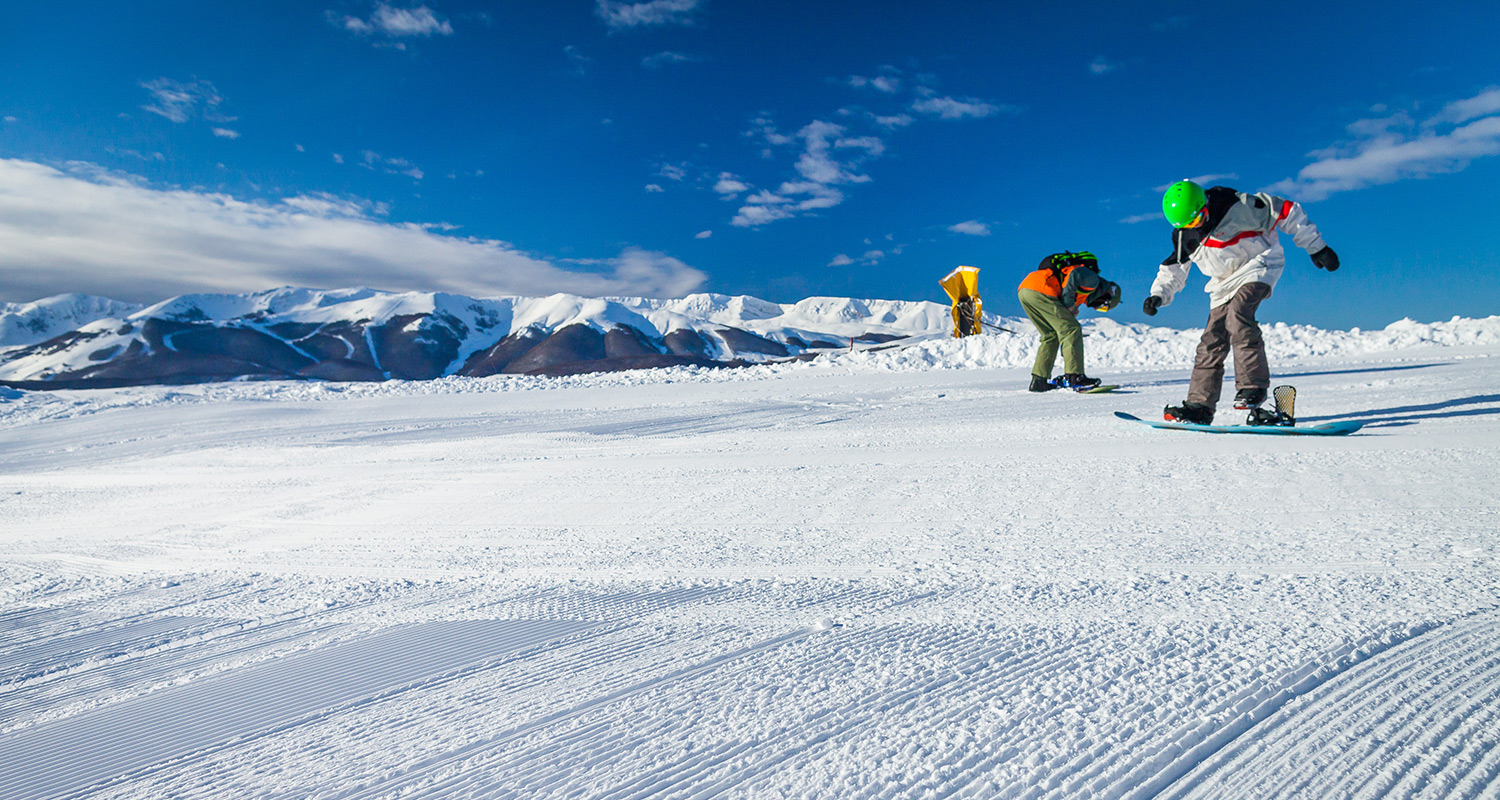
{"x": 883, "y": 573}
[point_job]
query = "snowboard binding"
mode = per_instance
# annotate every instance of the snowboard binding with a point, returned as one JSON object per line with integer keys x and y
{"x": 1076, "y": 382}
{"x": 1284, "y": 414}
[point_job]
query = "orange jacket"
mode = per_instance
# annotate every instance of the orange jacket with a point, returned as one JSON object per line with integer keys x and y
{"x": 1046, "y": 282}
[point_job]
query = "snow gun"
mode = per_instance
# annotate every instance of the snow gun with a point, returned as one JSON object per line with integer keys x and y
{"x": 962, "y": 286}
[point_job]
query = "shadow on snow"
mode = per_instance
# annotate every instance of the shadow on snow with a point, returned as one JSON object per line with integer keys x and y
{"x": 1406, "y": 415}
{"x": 1358, "y": 370}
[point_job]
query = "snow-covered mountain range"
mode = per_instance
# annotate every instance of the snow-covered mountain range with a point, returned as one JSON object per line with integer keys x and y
{"x": 29, "y": 323}
{"x": 76, "y": 341}
{"x": 361, "y": 334}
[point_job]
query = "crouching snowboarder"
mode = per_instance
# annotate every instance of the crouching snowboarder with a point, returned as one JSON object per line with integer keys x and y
{"x": 1232, "y": 237}
{"x": 1051, "y": 296}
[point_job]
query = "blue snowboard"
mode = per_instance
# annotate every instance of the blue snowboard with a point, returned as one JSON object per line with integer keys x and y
{"x": 1328, "y": 429}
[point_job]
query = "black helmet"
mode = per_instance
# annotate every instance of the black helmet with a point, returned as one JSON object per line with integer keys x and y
{"x": 1105, "y": 297}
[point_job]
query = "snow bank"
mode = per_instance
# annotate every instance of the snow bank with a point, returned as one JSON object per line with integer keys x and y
{"x": 1112, "y": 345}
{"x": 1109, "y": 346}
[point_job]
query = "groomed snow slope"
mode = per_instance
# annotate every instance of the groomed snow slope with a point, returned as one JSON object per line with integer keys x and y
{"x": 887, "y": 574}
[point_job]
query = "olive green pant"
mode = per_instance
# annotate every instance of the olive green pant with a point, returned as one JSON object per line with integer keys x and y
{"x": 1058, "y": 325}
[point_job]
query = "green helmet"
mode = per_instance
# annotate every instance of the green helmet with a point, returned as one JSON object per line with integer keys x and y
{"x": 1182, "y": 202}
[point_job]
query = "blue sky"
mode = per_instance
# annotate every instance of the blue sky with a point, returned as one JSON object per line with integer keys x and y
{"x": 778, "y": 149}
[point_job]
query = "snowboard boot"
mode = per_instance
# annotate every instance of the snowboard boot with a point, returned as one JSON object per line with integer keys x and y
{"x": 1076, "y": 381}
{"x": 1196, "y": 413}
{"x": 1040, "y": 384}
{"x": 1246, "y": 399}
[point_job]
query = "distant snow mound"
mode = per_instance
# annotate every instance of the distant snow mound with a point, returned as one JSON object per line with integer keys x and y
{"x": 1113, "y": 345}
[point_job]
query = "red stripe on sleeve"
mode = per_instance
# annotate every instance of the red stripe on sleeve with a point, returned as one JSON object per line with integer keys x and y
{"x": 1285, "y": 209}
{"x": 1237, "y": 238}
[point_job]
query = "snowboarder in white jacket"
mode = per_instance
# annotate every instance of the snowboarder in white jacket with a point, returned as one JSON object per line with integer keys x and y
{"x": 1232, "y": 237}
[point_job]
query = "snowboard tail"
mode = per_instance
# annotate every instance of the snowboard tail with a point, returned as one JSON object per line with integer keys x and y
{"x": 1341, "y": 428}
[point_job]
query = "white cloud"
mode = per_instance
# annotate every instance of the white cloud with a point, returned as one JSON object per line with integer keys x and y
{"x": 10, "y": 119}
{"x": 1202, "y": 180}
{"x": 111, "y": 234}
{"x": 971, "y": 228}
{"x": 654, "y": 187}
{"x": 821, "y": 168}
{"x": 703, "y": 234}
{"x": 419, "y": 21}
{"x": 1211, "y": 178}
{"x": 816, "y": 162}
{"x": 578, "y": 61}
{"x": 226, "y": 133}
{"x": 818, "y": 195}
{"x": 897, "y": 121}
{"x": 868, "y": 259}
{"x": 1102, "y": 66}
{"x": 1395, "y": 148}
{"x": 338, "y": 159}
{"x": 667, "y": 57}
{"x": 301, "y": 149}
{"x": 870, "y": 144}
{"x": 395, "y": 23}
{"x": 1138, "y": 218}
{"x": 672, "y": 172}
{"x": 730, "y": 185}
{"x": 761, "y": 208}
{"x": 886, "y": 84}
{"x": 831, "y": 156}
{"x": 180, "y": 102}
{"x": 328, "y": 205}
{"x": 765, "y": 129}
{"x": 1483, "y": 104}
{"x": 951, "y": 108}
{"x": 620, "y": 15}
{"x": 391, "y": 166}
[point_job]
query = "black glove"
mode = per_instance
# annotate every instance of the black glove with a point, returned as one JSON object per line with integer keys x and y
{"x": 1152, "y": 303}
{"x": 1326, "y": 259}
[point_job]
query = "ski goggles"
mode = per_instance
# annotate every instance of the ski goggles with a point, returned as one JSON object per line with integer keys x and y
{"x": 1198, "y": 218}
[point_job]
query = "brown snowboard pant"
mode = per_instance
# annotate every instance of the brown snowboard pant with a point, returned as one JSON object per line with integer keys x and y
{"x": 1231, "y": 325}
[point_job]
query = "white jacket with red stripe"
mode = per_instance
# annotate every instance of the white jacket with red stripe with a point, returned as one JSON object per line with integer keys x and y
{"x": 1241, "y": 248}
